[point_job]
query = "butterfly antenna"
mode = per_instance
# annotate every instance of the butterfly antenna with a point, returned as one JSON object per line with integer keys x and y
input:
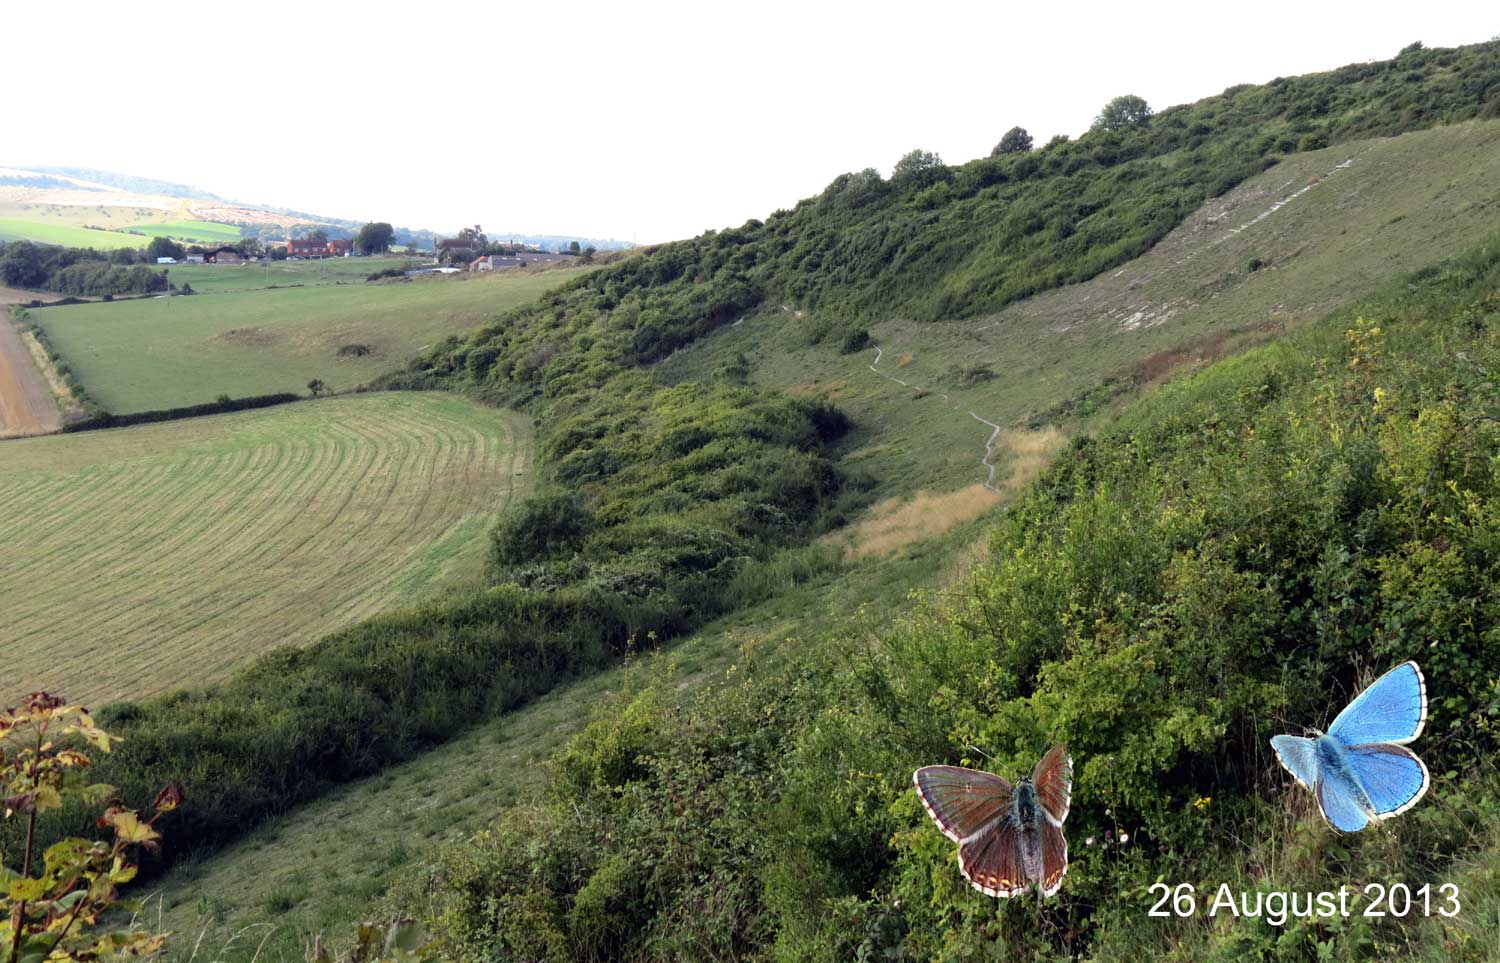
{"x": 981, "y": 752}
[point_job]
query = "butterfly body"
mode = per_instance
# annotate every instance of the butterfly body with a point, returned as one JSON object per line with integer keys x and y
{"x": 1360, "y": 770}
{"x": 1009, "y": 837}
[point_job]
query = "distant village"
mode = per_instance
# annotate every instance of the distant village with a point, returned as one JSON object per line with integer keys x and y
{"x": 454, "y": 255}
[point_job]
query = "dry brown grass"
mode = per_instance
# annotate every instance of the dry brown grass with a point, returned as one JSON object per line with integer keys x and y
{"x": 1030, "y": 452}
{"x": 897, "y": 522}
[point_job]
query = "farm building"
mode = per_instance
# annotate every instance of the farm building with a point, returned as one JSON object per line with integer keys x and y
{"x": 303, "y": 247}
{"x": 498, "y": 262}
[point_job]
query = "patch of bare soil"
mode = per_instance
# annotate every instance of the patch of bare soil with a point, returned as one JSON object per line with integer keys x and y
{"x": 253, "y": 337}
{"x": 26, "y": 405}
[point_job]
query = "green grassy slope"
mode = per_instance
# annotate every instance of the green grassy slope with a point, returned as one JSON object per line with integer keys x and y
{"x": 1232, "y": 559}
{"x": 43, "y": 232}
{"x": 641, "y": 455}
{"x": 1322, "y": 249}
{"x": 193, "y": 546}
{"x": 168, "y": 352}
{"x": 314, "y": 870}
{"x": 1324, "y": 226}
{"x": 206, "y": 232}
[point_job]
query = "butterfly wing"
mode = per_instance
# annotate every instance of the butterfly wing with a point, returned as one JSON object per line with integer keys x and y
{"x": 991, "y": 862}
{"x": 961, "y": 801}
{"x": 1297, "y": 757}
{"x": 1054, "y": 858}
{"x": 1341, "y": 804}
{"x": 1392, "y": 709}
{"x": 1392, "y": 776}
{"x": 1053, "y": 778}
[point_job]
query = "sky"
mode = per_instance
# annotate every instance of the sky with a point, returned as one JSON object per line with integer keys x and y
{"x": 642, "y": 121}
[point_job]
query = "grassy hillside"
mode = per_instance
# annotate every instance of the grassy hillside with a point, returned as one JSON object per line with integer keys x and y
{"x": 163, "y": 353}
{"x": 45, "y": 232}
{"x": 313, "y": 871}
{"x": 1288, "y": 245}
{"x": 205, "y": 232}
{"x": 1233, "y": 559}
{"x": 762, "y": 817}
{"x": 193, "y": 546}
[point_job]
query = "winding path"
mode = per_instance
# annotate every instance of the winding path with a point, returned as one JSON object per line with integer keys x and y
{"x": 989, "y": 446}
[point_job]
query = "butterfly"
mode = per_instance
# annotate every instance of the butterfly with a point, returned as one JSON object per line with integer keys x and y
{"x": 1008, "y": 836}
{"x": 1360, "y": 771}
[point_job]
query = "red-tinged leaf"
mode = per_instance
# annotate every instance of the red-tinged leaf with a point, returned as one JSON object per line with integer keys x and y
{"x": 170, "y": 797}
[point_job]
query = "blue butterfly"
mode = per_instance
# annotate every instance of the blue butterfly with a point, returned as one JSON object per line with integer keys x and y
{"x": 1360, "y": 771}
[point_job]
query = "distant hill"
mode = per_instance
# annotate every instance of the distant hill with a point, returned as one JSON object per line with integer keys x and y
{"x": 135, "y": 185}
{"x": 56, "y": 205}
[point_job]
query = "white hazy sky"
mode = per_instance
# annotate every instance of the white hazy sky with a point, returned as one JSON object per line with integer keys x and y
{"x": 642, "y": 120}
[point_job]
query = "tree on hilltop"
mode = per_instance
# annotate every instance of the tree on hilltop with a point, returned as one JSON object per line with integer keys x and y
{"x": 917, "y": 169}
{"x": 375, "y": 238}
{"x": 1124, "y": 111}
{"x": 1015, "y": 141}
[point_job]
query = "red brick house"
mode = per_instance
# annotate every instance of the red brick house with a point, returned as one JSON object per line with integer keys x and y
{"x": 302, "y": 247}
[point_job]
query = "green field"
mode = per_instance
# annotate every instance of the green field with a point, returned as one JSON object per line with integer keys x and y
{"x": 15, "y": 229}
{"x": 220, "y": 278}
{"x": 159, "y": 556}
{"x": 1400, "y": 204}
{"x": 168, "y": 352}
{"x": 207, "y": 232}
{"x": 314, "y": 870}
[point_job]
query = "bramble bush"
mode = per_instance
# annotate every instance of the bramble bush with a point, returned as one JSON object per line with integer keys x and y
{"x": 52, "y": 907}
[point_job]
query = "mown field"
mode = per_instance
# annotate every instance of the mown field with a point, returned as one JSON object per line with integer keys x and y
{"x": 168, "y": 352}
{"x": 1287, "y": 246}
{"x": 160, "y": 556}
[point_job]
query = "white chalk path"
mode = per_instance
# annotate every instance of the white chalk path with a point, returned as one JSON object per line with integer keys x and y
{"x": 989, "y": 446}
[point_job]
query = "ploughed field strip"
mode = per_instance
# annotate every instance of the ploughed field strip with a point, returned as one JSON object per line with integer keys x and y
{"x": 148, "y": 558}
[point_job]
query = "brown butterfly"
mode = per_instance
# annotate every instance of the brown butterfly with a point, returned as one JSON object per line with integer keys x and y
{"x": 1008, "y": 836}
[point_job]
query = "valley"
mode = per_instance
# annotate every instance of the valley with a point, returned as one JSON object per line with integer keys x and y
{"x": 604, "y": 610}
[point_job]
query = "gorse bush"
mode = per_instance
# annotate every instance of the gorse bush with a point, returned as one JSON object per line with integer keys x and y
{"x": 1231, "y": 560}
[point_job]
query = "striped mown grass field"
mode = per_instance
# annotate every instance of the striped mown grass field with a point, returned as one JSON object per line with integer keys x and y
{"x": 153, "y": 557}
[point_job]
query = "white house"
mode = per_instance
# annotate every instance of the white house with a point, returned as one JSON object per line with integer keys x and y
{"x": 166, "y": 260}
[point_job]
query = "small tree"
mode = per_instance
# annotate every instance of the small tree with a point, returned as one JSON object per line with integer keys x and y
{"x": 164, "y": 247}
{"x": 588, "y": 254}
{"x": 375, "y": 238}
{"x": 917, "y": 169}
{"x": 317, "y": 387}
{"x": 22, "y": 267}
{"x": 573, "y": 247}
{"x": 1124, "y": 111}
{"x": 1015, "y": 141}
{"x": 51, "y": 911}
